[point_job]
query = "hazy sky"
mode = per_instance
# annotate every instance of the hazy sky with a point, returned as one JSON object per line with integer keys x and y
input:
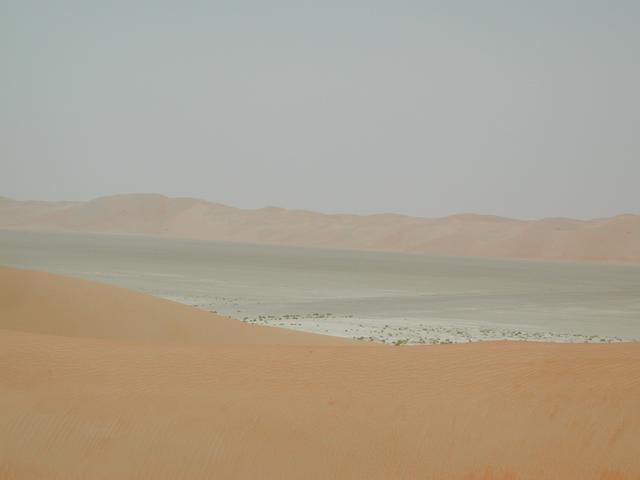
{"x": 523, "y": 109}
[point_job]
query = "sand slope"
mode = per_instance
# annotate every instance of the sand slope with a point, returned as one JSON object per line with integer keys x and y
{"x": 615, "y": 239}
{"x": 76, "y": 407}
{"x": 41, "y": 302}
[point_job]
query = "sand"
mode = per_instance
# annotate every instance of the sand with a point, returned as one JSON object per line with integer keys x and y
{"x": 39, "y": 302}
{"x": 89, "y": 388}
{"x": 614, "y": 239}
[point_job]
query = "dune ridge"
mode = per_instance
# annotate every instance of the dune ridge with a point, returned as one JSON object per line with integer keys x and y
{"x": 95, "y": 383}
{"x": 614, "y": 239}
{"x": 44, "y": 303}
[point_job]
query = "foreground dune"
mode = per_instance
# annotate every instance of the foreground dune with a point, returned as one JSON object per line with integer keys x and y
{"x": 614, "y": 239}
{"x": 40, "y": 302}
{"x": 79, "y": 399}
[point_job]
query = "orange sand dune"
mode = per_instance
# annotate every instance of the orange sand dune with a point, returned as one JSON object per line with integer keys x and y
{"x": 83, "y": 400}
{"x": 615, "y": 239}
{"x": 39, "y": 302}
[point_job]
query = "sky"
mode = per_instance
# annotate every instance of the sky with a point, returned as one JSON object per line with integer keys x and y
{"x": 515, "y": 108}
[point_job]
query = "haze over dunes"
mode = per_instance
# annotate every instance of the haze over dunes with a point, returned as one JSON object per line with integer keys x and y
{"x": 615, "y": 239}
{"x": 89, "y": 388}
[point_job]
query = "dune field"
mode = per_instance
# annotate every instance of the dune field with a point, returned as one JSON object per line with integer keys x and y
{"x": 100, "y": 382}
{"x": 614, "y": 239}
{"x": 320, "y": 241}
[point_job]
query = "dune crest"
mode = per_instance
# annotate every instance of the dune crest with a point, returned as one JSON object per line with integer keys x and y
{"x": 95, "y": 384}
{"x": 615, "y": 239}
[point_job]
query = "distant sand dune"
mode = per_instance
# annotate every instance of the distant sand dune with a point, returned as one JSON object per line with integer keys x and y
{"x": 101, "y": 383}
{"x": 615, "y": 239}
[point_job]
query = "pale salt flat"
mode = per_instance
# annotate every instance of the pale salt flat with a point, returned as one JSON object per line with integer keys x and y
{"x": 390, "y": 297}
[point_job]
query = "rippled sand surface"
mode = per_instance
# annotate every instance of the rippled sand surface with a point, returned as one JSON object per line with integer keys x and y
{"x": 94, "y": 383}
